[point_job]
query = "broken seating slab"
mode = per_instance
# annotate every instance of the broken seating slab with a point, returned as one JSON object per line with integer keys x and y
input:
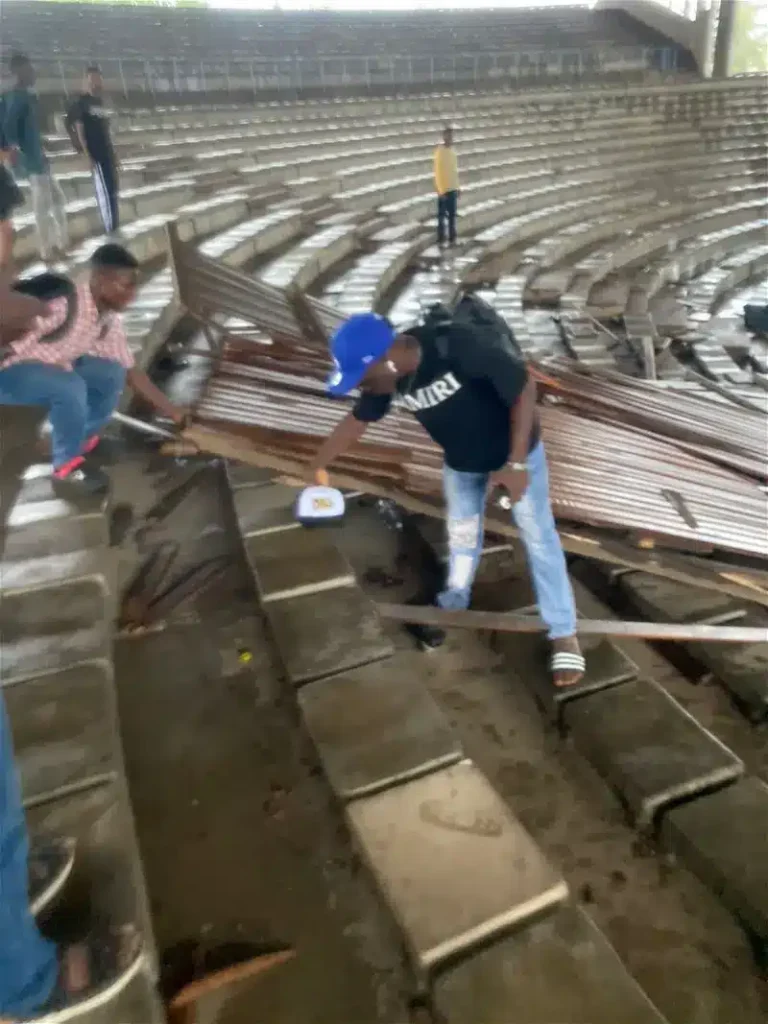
{"x": 722, "y": 838}
{"x": 453, "y": 863}
{"x": 529, "y": 655}
{"x": 376, "y": 726}
{"x": 558, "y": 970}
{"x": 63, "y": 730}
{"x": 318, "y": 635}
{"x": 293, "y": 563}
{"x": 647, "y": 747}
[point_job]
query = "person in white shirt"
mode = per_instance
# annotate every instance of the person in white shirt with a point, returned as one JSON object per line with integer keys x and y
{"x": 75, "y": 363}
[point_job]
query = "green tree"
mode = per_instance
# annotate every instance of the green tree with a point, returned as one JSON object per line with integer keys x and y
{"x": 749, "y": 51}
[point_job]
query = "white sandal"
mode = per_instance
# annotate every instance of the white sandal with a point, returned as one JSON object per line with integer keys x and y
{"x": 567, "y": 661}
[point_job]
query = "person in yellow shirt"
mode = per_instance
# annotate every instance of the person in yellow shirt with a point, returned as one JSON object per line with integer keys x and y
{"x": 447, "y": 188}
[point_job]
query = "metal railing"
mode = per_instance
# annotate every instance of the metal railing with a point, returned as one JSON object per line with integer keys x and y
{"x": 294, "y": 74}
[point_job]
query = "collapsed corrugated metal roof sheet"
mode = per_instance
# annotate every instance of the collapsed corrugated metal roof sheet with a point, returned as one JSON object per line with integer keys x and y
{"x": 625, "y": 455}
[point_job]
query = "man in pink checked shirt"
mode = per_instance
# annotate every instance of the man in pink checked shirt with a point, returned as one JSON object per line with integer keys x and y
{"x": 75, "y": 363}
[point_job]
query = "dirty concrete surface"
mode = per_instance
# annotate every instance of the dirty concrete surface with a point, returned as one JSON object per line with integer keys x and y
{"x": 239, "y": 833}
{"x": 241, "y": 837}
{"x": 680, "y": 944}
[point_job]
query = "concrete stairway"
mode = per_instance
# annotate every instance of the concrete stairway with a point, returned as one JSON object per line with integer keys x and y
{"x": 56, "y": 613}
{"x": 675, "y": 779}
{"x": 453, "y": 863}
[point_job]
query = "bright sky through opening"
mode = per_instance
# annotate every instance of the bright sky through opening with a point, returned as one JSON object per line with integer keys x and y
{"x": 388, "y": 5}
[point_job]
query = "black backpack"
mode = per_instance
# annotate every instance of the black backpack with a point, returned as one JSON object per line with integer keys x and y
{"x": 47, "y": 287}
{"x": 473, "y": 312}
{"x": 756, "y": 319}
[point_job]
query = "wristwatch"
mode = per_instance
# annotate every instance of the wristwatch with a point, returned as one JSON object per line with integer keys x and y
{"x": 519, "y": 467}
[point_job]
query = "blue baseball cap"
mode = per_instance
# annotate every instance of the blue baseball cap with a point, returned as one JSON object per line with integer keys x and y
{"x": 360, "y": 341}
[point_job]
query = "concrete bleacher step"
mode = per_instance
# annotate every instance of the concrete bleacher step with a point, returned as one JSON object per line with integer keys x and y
{"x": 741, "y": 668}
{"x": 53, "y": 625}
{"x": 271, "y": 510}
{"x": 607, "y": 666}
{"x": 721, "y": 838}
{"x": 678, "y": 602}
{"x": 63, "y": 726}
{"x": 321, "y": 621}
{"x": 743, "y": 671}
{"x": 420, "y": 839}
{"x": 78, "y": 184}
{"x": 20, "y": 573}
{"x": 295, "y": 563}
{"x": 241, "y": 476}
{"x": 56, "y": 610}
{"x": 107, "y": 883}
{"x": 100, "y": 821}
{"x": 83, "y": 216}
{"x": 375, "y": 727}
{"x": 137, "y": 1003}
{"x": 559, "y": 970}
{"x": 321, "y": 634}
{"x": 647, "y": 747}
{"x": 156, "y": 310}
{"x": 41, "y": 524}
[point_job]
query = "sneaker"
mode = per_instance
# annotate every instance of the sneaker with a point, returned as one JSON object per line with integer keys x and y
{"x": 74, "y": 477}
{"x": 50, "y": 865}
{"x": 90, "y": 444}
{"x": 92, "y": 973}
{"x": 429, "y": 638}
{"x": 100, "y": 450}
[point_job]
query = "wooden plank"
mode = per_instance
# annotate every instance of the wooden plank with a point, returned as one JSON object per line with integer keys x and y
{"x": 509, "y": 622}
{"x": 743, "y": 584}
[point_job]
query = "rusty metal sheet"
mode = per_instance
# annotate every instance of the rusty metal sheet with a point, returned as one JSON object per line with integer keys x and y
{"x": 624, "y": 455}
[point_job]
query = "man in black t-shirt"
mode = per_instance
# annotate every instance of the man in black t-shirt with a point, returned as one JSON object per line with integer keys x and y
{"x": 473, "y": 395}
{"x": 87, "y": 124}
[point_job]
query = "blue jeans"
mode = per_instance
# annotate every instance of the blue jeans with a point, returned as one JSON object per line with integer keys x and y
{"x": 78, "y": 403}
{"x": 28, "y": 963}
{"x": 465, "y": 495}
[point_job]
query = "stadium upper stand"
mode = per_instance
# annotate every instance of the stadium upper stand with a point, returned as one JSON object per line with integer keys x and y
{"x": 166, "y": 49}
{"x": 47, "y": 29}
{"x": 621, "y": 227}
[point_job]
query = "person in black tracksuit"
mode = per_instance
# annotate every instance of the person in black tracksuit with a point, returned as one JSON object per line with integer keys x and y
{"x": 87, "y": 123}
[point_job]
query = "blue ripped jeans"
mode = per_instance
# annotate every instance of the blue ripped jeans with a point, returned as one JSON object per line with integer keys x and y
{"x": 465, "y": 495}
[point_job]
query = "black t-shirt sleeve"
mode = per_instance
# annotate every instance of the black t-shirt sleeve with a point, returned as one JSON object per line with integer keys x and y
{"x": 371, "y": 408}
{"x": 74, "y": 115}
{"x": 494, "y": 361}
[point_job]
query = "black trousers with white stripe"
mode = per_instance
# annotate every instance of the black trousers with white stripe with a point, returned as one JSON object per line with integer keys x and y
{"x": 106, "y": 184}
